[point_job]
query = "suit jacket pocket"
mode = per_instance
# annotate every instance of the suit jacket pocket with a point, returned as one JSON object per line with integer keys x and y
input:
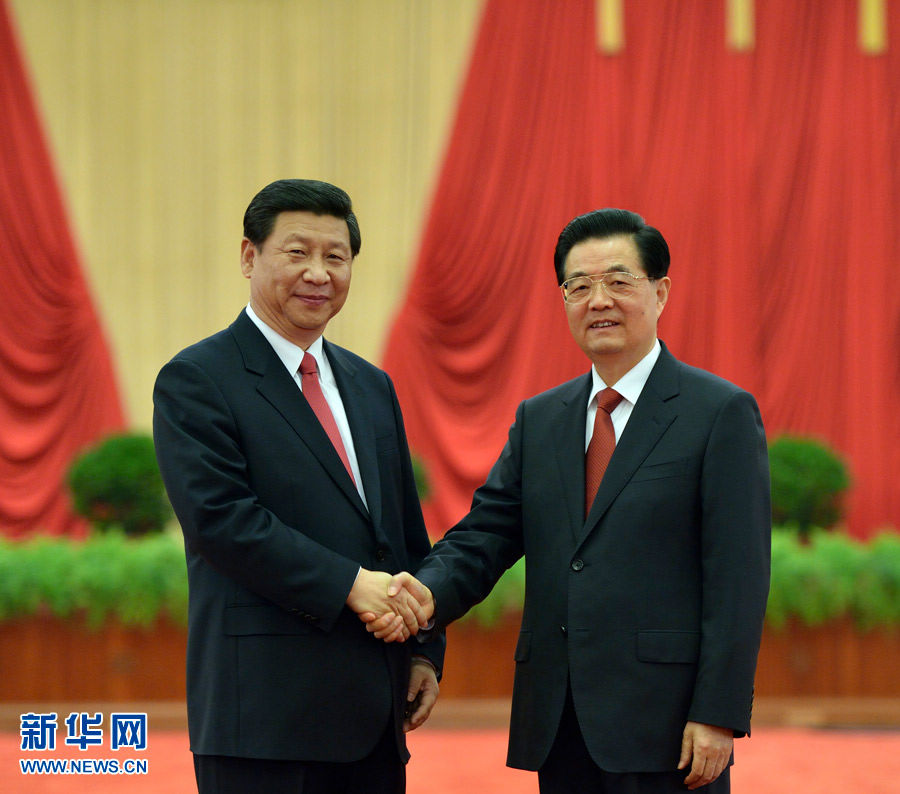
{"x": 523, "y": 647}
{"x": 668, "y": 647}
{"x": 656, "y": 471}
{"x": 247, "y": 620}
{"x": 386, "y": 444}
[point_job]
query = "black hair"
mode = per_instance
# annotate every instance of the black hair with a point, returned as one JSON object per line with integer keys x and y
{"x": 298, "y": 195}
{"x": 600, "y": 224}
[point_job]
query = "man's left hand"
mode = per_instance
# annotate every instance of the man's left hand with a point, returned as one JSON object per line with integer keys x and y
{"x": 710, "y": 747}
{"x": 421, "y": 694}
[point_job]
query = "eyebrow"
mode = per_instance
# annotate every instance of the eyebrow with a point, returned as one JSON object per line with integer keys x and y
{"x": 611, "y": 269}
{"x": 301, "y": 238}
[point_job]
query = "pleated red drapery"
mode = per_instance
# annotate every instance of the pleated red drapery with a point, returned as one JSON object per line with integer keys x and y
{"x": 774, "y": 174}
{"x": 57, "y": 391}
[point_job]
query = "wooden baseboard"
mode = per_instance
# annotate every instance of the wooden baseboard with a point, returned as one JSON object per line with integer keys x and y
{"x": 827, "y": 712}
{"x": 162, "y": 715}
{"x": 493, "y": 713}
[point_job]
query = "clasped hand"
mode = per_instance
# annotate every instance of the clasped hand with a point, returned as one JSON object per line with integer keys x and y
{"x": 392, "y": 607}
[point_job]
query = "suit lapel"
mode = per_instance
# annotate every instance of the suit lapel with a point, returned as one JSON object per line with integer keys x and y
{"x": 280, "y": 390}
{"x": 362, "y": 428}
{"x": 650, "y": 418}
{"x": 569, "y": 429}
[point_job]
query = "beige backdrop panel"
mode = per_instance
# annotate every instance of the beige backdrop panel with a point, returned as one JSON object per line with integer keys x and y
{"x": 166, "y": 116}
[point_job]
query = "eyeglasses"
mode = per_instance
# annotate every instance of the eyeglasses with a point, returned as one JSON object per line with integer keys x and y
{"x": 616, "y": 284}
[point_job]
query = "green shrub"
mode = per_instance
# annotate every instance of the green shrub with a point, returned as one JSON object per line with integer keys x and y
{"x": 808, "y": 483}
{"x": 420, "y": 475}
{"x": 108, "y": 575}
{"x": 507, "y": 597}
{"x": 835, "y": 576}
{"x": 812, "y": 582}
{"x": 138, "y": 579}
{"x": 118, "y": 484}
{"x": 876, "y": 595}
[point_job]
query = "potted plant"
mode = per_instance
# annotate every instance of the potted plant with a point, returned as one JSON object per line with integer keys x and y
{"x": 118, "y": 484}
{"x": 808, "y": 484}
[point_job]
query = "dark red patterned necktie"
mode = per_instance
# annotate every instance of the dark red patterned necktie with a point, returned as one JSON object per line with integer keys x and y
{"x": 601, "y": 447}
{"x": 312, "y": 390}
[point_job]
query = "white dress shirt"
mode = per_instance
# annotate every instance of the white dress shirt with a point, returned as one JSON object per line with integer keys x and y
{"x": 630, "y": 386}
{"x": 291, "y": 355}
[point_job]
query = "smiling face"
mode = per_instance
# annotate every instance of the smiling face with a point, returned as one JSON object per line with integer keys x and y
{"x": 615, "y": 334}
{"x": 300, "y": 276}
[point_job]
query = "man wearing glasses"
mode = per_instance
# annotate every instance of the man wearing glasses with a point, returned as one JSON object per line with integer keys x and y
{"x": 639, "y": 495}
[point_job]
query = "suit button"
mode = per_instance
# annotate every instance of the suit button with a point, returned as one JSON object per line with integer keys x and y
{"x": 380, "y": 555}
{"x": 564, "y": 630}
{"x": 577, "y": 565}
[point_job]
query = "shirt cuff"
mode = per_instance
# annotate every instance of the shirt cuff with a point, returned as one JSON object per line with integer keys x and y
{"x": 418, "y": 658}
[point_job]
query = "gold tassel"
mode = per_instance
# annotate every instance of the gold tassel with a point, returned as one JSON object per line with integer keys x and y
{"x": 739, "y": 25}
{"x": 610, "y": 21}
{"x": 872, "y": 27}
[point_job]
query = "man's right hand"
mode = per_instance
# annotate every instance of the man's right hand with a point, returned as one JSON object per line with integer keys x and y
{"x": 399, "y": 609}
{"x": 394, "y": 627}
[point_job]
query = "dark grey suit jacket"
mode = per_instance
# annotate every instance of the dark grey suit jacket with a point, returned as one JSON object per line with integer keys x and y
{"x": 275, "y": 531}
{"x": 652, "y": 606}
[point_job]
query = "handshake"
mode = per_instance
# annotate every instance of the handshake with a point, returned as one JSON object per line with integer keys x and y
{"x": 392, "y": 607}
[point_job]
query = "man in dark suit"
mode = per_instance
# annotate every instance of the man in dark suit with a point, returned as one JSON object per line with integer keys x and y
{"x": 287, "y": 464}
{"x": 645, "y": 597}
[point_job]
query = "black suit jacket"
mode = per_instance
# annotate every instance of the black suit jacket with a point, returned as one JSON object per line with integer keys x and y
{"x": 653, "y": 605}
{"x": 275, "y": 531}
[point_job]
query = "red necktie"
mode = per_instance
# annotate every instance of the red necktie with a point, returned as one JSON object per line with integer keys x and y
{"x": 603, "y": 443}
{"x": 312, "y": 390}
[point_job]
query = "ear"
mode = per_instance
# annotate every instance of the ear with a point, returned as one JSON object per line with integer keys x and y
{"x": 662, "y": 294}
{"x": 248, "y": 257}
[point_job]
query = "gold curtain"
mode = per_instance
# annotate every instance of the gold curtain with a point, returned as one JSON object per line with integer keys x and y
{"x": 166, "y": 116}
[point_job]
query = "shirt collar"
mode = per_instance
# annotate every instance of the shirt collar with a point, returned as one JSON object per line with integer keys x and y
{"x": 632, "y": 383}
{"x": 290, "y": 354}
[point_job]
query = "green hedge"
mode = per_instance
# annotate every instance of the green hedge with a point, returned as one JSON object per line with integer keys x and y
{"x": 831, "y": 577}
{"x": 107, "y": 575}
{"x": 137, "y": 579}
{"x": 835, "y": 576}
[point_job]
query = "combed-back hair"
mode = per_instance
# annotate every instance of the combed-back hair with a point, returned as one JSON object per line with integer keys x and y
{"x": 298, "y": 195}
{"x": 600, "y": 224}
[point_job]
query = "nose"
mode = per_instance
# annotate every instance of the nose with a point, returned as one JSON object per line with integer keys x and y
{"x": 599, "y": 299}
{"x": 315, "y": 271}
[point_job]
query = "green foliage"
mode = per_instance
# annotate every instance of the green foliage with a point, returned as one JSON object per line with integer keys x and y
{"x": 831, "y": 577}
{"x": 507, "y": 597}
{"x": 812, "y": 582}
{"x": 420, "y": 475}
{"x": 877, "y": 592}
{"x": 808, "y": 483}
{"x": 138, "y": 579}
{"x": 834, "y": 576}
{"x": 107, "y": 575}
{"x": 118, "y": 484}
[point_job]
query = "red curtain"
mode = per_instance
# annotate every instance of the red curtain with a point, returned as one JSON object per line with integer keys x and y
{"x": 772, "y": 173}
{"x": 57, "y": 391}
